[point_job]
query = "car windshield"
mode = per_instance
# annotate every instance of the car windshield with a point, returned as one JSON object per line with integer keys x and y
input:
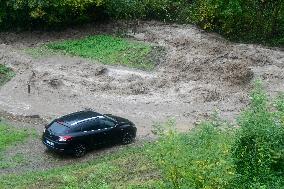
{"x": 57, "y": 128}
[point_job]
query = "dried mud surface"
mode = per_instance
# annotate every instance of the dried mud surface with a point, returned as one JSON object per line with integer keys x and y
{"x": 198, "y": 74}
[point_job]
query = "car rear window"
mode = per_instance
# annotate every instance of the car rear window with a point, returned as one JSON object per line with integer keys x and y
{"x": 57, "y": 128}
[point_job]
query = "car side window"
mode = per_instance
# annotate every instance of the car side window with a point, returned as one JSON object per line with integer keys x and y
{"x": 105, "y": 123}
{"x": 76, "y": 129}
{"x": 90, "y": 125}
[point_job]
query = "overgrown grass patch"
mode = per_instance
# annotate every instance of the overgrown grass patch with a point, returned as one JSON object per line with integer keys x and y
{"x": 109, "y": 50}
{"x": 128, "y": 168}
{"x": 10, "y": 136}
{"x": 5, "y": 74}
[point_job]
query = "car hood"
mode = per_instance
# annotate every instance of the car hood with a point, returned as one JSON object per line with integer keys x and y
{"x": 119, "y": 119}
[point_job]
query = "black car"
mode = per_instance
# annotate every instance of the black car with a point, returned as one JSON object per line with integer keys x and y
{"x": 77, "y": 132}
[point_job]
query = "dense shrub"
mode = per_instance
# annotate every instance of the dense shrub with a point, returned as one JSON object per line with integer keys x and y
{"x": 199, "y": 159}
{"x": 165, "y": 10}
{"x": 259, "y": 148}
{"x": 253, "y": 20}
{"x": 125, "y": 9}
{"x": 45, "y": 13}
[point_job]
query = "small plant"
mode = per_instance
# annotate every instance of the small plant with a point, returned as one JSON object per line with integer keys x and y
{"x": 5, "y": 74}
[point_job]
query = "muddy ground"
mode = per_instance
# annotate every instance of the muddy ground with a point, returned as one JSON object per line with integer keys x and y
{"x": 197, "y": 74}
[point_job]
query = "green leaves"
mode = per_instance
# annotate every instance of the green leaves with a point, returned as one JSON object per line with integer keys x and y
{"x": 198, "y": 159}
{"x": 5, "y": 74}
{"x": 44, "y": 13}
{"x": 258, "y": 149}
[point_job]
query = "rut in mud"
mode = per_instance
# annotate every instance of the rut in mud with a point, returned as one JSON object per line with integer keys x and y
{"x": 198, "y": 74}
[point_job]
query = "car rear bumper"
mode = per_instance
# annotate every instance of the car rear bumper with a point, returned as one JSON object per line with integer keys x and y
{"x": 58, "y": 147}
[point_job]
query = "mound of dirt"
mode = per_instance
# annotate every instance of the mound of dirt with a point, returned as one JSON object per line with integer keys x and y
{"x": 54, "y": 83}
{"x": 100, "y": 70}
{"x": 237, "y": 73}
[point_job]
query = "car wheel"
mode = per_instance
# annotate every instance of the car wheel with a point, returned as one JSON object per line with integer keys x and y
{"x": 80, "y": 150}
{"x": 127, "y": 138}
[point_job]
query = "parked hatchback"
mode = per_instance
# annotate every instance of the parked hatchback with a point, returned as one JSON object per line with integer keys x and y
{"x": 77, "y": 132}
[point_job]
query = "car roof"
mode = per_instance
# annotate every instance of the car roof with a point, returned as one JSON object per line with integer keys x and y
{"x": 78, "y": 117}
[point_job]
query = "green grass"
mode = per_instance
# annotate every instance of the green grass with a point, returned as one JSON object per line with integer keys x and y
{"x": 128, "y": 168}
{"x": 108, "y": 50}
{"x": 10, "y": 136}
{"x": 5, "y": 74}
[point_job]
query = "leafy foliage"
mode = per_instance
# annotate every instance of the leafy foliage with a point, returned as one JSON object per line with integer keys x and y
{"x": 46, "y": 13}
{"x": 125, "y": 9}
{"x": 251, "y": 20}
{"x": 259, "y": 148}
{"x": 199, "y": 159}
{"x": 108, "y": 50}
{"x": 5, "y": 74}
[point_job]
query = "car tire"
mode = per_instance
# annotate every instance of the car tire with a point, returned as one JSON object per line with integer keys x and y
{"x": 80, "y": 150}
{"x": 127, "y": 138}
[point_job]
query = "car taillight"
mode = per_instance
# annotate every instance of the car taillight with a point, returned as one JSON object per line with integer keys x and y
{"x": 65, "y": 138}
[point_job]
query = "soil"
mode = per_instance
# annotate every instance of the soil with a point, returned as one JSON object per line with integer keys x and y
{"x": 197, "y": 74}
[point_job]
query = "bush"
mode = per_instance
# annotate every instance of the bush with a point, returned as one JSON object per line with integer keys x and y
{"x": 33, "y": 13}
{"x": 259, "y": 146}
{"x": 199, "y": 159}
{"x": 251, "y": 20}
{"x": 125, "y": 9}
{"x": 165, "y": 10}
{"x": 5, "y": 74}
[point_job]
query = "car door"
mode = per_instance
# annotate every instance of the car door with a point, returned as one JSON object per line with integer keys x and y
{"x": 92, "y": 134}
{"x": 108, "y": 127}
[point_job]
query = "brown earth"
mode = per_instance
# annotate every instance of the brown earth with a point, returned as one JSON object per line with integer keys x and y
{"x": 198, "y": 74}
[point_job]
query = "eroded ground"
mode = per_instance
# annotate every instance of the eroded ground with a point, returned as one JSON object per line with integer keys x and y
{"x": 198, "y": 74}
